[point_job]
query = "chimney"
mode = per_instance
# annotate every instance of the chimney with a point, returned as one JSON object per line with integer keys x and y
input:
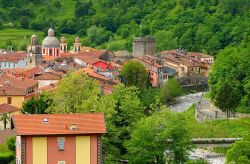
{"x": 73, "y": 127}
{"x": 45, "y": 120}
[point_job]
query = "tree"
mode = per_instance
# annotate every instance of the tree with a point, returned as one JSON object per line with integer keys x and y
{"x": 37, "y": 105}
{"x": 229, "y": 79}
{"x": 103, "y": 35}
{"x": 11, "y": 143}
{"x": 169, "y": 91}
{"x": 162, "y": 137}
{"x": 76, "y": 93}
{"x": 24, "y": 22}
{"x": 225, "y": 95}
{"x": 165, "y": 40}
{"x": 240, "y": 151}
{"x": 134, "y": 74}
{"x": 5, "y": 117}
{"x": 126, "y": 110}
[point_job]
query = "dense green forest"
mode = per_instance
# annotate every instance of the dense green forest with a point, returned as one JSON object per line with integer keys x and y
{"x": 195, "y": 25}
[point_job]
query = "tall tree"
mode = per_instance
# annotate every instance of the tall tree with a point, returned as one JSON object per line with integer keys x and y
{"x": 37, "y": 105}
{"x": 162, "y": 137}
{"x": 76, "y": 93}
{"x": 134, "y": 74}
{"x": 127, "y": 110}
{"x": 169, "y": 91}
{"x": 225, "y": 95}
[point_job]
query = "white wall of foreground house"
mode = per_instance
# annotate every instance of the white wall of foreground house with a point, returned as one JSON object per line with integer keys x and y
{"x": 18, "y": 150}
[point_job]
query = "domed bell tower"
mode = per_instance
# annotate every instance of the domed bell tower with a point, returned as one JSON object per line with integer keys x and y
{"x": 63, "y": 44}
{"x": 34, "y": 52}
{"x": 77, "y": 44}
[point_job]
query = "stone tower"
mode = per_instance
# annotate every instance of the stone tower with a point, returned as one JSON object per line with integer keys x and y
{"x": 143, "y": 46}
{"x": 34, "y": 53}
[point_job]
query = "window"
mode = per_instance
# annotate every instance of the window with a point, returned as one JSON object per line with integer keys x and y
{"x": 50, "y": 52}
{"x": 9, "y": 100}
{"x": 61, "y": 162}
{"x": 60, "y": 141}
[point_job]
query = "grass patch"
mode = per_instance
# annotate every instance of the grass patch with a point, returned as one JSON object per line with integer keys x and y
{"x": 17, "y": 37}
{"x": 217, "y": 128}
{"x": 221, "y": 150}
{"x": 207, "y": 95}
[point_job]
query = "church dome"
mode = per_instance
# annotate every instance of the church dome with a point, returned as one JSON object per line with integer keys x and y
{"x": 63, "y": 40}
{"x": 50, "y": 41}
{"x": 34, "y": 40}
{"x": 77, "y": 40}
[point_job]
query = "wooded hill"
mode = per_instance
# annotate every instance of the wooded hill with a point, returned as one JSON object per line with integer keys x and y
{"x": 195, "y": 25}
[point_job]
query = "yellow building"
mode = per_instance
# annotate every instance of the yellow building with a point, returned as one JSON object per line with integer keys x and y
{"x": 14, "y": 91}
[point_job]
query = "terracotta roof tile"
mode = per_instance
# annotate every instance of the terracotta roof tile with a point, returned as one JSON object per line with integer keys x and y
{"x": 13, "y": 56}
{"x": 48, "y": 76}
{"x": 87, "y": 59}
{"x": 24, "y": 72}
{"x": 59, "y": 124}
{"x": 6, "y": 108}
{"x": 10, "y": 85}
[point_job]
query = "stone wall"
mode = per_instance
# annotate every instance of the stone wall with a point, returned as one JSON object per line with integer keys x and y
{"x": 143, "y": 46}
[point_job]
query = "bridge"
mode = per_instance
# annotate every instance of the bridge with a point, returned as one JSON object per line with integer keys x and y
{"x": 214, "y": 142}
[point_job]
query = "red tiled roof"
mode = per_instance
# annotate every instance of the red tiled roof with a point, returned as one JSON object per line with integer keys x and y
{"x": 92, "y": 73}
{"x": 146, "y": 61}
{"x": 92, "y": 123}
{"x": 48, "y": 58}
{"x": 24, "y": 72}
{"x": 32, "y": 71}
{"x": 4, "y": 134}
{"x": 48, "y": 76}
{"x": 13, "y": 56}
{"x": 9, "y": 85}
{"x": 87, "y": 59}
{"x": 6, "y": 108}
{"x": 93, "y": 52}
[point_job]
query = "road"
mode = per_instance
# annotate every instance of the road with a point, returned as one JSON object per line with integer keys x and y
{"x": 184, "y": 102}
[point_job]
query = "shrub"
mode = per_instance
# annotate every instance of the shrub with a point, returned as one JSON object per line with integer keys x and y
{"x": 6, "y": 157}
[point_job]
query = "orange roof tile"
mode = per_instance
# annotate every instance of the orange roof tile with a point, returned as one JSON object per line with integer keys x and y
{"x": 13, "y": 56}
{"x": 92, "y": 123}
{"x": 6, "y": 108}
{"x": 9, "y": 85}
{"x": 48, "y": 76}
{"x": 48, "y": 58}
{"x": 88, "y": 59}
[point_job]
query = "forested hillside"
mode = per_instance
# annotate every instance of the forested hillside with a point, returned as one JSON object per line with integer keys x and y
{"x": 196, "y": 25}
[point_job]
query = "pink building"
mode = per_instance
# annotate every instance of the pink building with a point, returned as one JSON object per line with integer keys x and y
{"x": 59, "y": 138}
{"x": 51, "y": 45}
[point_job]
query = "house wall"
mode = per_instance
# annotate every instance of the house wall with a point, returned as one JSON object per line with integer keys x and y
{"x": 77, "y": 150}
{"x": 82, "y": 149}
{"x": 39, "y": 150}
{"x": 67, "y": 155}
{"x": 17, "y": 101}
{"x": 43, "y": 83}
{"x": 19, "y": 64}
{"x": 80, "y": 62}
